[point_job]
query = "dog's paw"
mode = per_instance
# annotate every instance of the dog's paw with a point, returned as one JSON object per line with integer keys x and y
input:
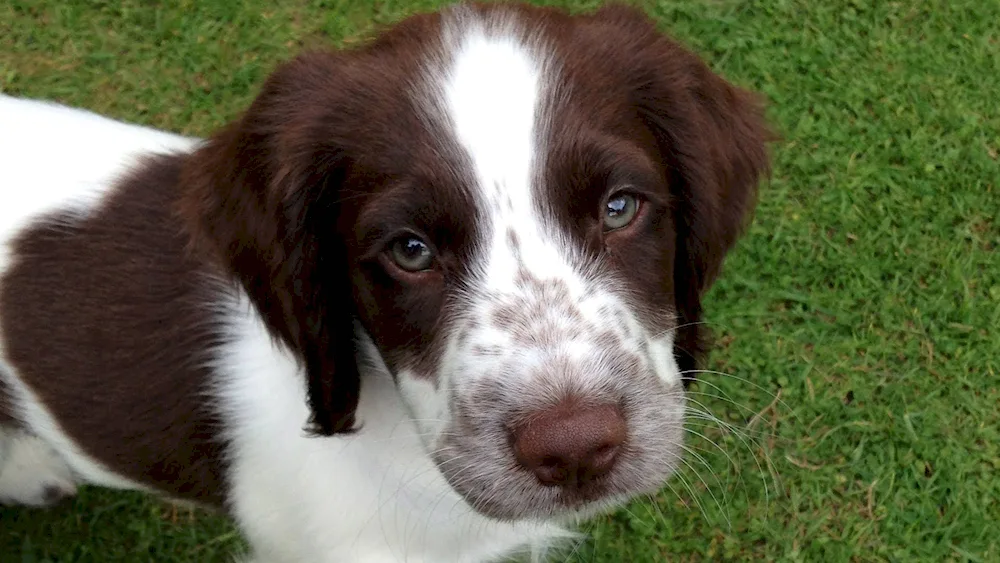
{"x": 32, "y": 473}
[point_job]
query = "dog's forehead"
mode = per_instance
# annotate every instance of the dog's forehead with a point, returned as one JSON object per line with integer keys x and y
{"x": 492, "y": 89}
{"x": 496, "y": 97}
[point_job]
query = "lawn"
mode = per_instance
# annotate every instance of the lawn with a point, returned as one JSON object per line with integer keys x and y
{"x": 852, "y": 409}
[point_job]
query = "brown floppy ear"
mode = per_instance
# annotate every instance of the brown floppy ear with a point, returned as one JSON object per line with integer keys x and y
{"x": 262, "y": 197}
{"x": 712, "y": 137}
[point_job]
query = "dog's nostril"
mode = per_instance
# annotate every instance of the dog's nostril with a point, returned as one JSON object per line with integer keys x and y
{"x": 550, "y": 475}
{"x": 570, "y": 445}
{"x": 551, "y": 461}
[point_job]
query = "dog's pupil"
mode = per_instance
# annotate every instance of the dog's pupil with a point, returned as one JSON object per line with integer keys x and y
{"x": 414, "y": 248}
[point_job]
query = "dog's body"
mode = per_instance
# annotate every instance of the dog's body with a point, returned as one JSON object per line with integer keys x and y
{"x": 374, "y": 496}
{"x": 417, "y": 276}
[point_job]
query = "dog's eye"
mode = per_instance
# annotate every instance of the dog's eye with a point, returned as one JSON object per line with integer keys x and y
{"x": 620, "y": 210}
{"x": 411, "y": 253}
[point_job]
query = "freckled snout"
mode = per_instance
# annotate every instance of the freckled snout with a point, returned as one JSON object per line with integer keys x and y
{"x": 571, "y": 444}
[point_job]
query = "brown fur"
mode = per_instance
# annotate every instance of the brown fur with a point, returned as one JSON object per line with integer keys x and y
{"x": 6, "y": 405}
{"x": 105, "y": 320}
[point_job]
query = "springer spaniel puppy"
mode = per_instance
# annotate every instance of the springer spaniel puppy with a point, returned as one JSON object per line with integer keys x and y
{"x": 428, "y": 300}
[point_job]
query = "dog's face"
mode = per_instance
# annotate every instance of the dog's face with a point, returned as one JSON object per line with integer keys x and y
{"x": 522, "y": 209}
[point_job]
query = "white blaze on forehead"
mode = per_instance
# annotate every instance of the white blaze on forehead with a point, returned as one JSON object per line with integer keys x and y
{"x": 494, "y": 96}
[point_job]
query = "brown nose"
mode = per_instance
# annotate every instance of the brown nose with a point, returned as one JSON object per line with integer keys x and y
{"x": 568, "y": 446}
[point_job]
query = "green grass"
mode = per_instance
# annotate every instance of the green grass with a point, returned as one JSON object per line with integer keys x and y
{"x": 867, "y": 291}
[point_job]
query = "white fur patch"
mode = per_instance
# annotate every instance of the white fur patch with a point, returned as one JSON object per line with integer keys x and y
{"x": 491, "y": 92}
{"x": 661, "y": 351}
{"x": 31, "y": 473}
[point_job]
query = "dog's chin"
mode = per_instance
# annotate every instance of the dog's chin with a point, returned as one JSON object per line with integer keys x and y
{"x": 564, "y": 512}
{"x": 562, "y": 509}
{"x": 518, "y": 498}
{"x": 552, "y": 508}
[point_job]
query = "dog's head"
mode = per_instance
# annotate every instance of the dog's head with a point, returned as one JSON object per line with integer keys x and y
{"x": 522, "y": 209}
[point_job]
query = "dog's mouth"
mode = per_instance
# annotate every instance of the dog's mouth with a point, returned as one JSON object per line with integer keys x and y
{"x": 517, "y": 498}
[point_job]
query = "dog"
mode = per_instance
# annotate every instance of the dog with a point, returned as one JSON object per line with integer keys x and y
{"x": 434, "y": 298}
